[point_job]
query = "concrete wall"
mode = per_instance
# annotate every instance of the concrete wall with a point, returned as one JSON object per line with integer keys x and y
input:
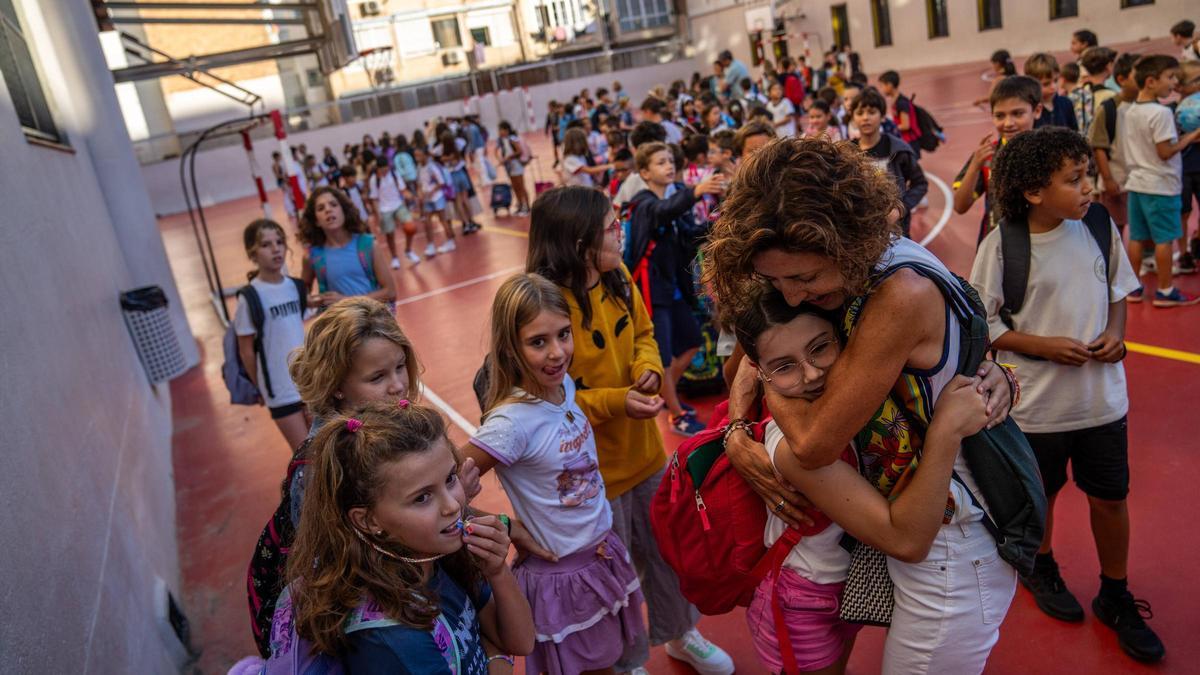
{"x": 87, "y": 490}
{"x": 224, "y": 173}
{"x": 1027, "y": 28}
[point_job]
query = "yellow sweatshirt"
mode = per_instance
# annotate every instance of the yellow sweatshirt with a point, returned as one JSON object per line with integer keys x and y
{"x": 609, "y": 358}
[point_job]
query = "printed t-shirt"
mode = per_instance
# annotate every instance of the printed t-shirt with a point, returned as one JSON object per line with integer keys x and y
{"x": 283, "y": 331}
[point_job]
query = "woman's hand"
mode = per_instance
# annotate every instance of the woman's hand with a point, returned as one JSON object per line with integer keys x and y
{"x": 487, "y": 539}
{"x": 960, "y": 410}
{"x": 749, "y": 459}
{"x": 526, "y": 545}
{"x": 639, "y": 406}
{"x": 468, "y": 475}
{"x": 996, "y": 392}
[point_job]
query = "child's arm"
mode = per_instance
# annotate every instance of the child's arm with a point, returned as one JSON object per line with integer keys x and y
{"x": 595, "y": 170}
{"x": 473, "y": 450}
{"x": 1064, "y": 350}
{"x": 245, "y": 345}
{"x": 383, "y": 276}
{"x": 1166, "y": 150}
{"x": 903, "y": 529}
{"x": 308, "y": 275}
{"x": 506, "y": 619}
{"x": 964, "y": 188}
{"x": 1111, "y": 187}
{"x": 914, "y": 179}
{"x": 1110, "y": 346}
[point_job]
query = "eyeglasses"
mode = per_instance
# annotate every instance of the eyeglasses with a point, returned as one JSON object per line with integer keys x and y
{"x": 821, "y": 356}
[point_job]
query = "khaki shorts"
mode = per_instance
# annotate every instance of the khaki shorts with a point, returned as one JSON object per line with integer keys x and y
{"x": 388, "y": 220}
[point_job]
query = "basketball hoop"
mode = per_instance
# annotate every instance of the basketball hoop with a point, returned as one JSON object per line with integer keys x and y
{"x": 377, "y": 63}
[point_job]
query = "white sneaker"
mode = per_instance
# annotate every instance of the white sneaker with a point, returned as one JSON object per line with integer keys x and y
{"x": 412, "y": 257}
{"x": 395, "y": 263}
{"x": 704, "y": 656}
{"x": 639, "y": 671}
{"x": 430, "y": 250}
{"x": 447, "y": 247}
{"x": 1149, "y": 266}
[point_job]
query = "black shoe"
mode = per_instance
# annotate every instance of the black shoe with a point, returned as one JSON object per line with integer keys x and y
{"x": 1126, "y": 616}
{"x": 1051, "y": 594}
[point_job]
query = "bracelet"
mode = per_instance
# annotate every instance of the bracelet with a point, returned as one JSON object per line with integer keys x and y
{"x": 1014, "y": 385}
{"x": 1124, "y": 351}
{"x": 503, "y": 518}
{"x": 503, "y": 657}
{"x": 740, "y": 423}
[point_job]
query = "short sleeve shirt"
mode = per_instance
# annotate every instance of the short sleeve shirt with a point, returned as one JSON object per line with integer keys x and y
{"x": 388, "y": 190}
{"x": 1145, "y": 126}
{"x": 573, "y": 174}
{"x": 283, "y": 331}
{"x": 549, "y": 469}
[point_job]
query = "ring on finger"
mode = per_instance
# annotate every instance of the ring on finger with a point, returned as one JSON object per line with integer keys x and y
{"x": 779, "y": 506}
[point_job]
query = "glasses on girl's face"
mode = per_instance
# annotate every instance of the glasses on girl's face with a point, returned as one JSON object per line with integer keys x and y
{"x": 791, "y": 374}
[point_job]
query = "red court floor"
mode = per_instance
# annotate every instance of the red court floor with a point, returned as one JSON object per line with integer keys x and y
{"x": 229, "y": 460}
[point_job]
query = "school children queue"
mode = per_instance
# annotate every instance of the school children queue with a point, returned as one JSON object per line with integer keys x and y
{"x": 868, "y": 353}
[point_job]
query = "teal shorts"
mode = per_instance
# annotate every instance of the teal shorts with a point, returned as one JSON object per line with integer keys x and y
{"x": 1154, "y": 217}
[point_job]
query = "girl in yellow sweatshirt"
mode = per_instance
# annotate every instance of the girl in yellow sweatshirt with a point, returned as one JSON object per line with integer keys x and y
{"x": 575, "y": 241}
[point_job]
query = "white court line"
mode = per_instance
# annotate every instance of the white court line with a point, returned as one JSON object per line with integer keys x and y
{"x": 460, "y": 421}
{"x": 941, "y": 223}
{"x": 461, "y": 284}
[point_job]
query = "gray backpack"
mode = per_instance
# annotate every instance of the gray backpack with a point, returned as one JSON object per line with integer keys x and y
{"x": 237, "y": 379}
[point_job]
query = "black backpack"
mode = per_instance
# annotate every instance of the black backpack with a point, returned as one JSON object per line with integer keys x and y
{"x": 931, "y": 132}
{"x": 1001, "y": 459}
{"x": 1015, "y": 252}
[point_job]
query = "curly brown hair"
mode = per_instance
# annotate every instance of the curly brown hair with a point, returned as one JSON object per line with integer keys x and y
{"x": 333, "y": 566}
{"x": 311, "y": 233}
{"x": 802, "y": 195}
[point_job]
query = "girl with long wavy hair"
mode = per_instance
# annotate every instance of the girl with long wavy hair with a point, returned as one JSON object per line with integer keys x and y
{"x": 388, "y": 574}
{"x": 586, "y": 600}
{"x": 340, "y": 254}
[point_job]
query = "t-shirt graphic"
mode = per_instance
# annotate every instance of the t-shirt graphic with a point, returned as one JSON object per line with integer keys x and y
{"x": 579, "y": 483}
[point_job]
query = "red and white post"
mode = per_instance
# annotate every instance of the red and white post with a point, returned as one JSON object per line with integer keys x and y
{"x": 254, "y": 173}
{"x": 294, "y": 192}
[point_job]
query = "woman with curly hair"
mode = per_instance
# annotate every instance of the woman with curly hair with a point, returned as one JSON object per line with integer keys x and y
{"x": 816, "y": 220}
{"x": 340, "y": 253}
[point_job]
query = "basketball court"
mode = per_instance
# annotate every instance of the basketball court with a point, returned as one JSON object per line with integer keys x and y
{"x": 229, "y": 460}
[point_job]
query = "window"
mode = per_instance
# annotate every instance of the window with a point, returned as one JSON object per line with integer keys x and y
{"x": 480, "y": 36}
{"x": 989, "y": 15}
{"x": 1062, "y": 9}
{"x": 21, "y": 79}
{"x": 938, "y": 16}
{"x": 882, "y": 22}
{"x": 635, "y": 15}
{"x": 445, "y": 33}
{"x": 841, "y": 25}
{"x": 1125, "y": 4}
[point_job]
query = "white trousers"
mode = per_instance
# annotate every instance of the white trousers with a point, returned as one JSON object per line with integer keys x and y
{"x": 949, "y": 607}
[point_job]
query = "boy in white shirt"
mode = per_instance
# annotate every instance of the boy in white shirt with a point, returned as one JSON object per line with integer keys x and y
{"x": 387, "y": 192}
{"x": 1068, "y": 339}
{"x": 1150, "y": 145}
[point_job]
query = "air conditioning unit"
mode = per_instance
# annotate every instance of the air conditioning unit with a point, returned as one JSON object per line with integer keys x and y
{"x": 370, "y": 8}
{"x": 452, "y": 57}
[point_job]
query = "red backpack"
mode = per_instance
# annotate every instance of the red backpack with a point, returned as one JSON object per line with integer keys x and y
{"x": 709, "y": 523}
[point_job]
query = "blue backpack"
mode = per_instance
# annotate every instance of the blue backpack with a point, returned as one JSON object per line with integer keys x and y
{"x": 237, "y": 379}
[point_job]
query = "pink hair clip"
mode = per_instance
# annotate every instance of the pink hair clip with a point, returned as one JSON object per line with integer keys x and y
{"x": 353, "y": 425}
{"x": 403, "y": 404}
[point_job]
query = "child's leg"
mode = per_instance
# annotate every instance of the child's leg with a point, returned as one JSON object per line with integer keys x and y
{"x": 447, "y": 228}
{"x": 1162, "y": 258}
{"x": 670, "y": 393}
{"x": 518, "y": 183}
{"x": 1110, "y": 529}
{"x": 1048, "y": 537}
{"x": 294, "y": 429}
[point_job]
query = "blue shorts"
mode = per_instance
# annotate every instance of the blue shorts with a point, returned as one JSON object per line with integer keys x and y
{"x": 436, "y": 204}
{"x": 1154, "y": 217}
{"x": 675, "y": 329}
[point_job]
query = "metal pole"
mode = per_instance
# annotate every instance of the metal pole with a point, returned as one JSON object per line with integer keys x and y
{"x": 230, "y": 6}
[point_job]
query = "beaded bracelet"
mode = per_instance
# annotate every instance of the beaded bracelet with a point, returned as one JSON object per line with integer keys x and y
{"x": 741, "y": 423}
{"x": 1014, "y": 385}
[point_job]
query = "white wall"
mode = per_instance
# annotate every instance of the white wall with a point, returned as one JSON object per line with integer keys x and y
{"x": 224, "y": 173}
{"x": 87, "y": 490}
{"x": 1027, "y": 28}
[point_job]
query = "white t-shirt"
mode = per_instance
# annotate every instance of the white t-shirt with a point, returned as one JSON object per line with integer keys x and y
{"x": 572, "y": 171}
{"x": 820, "y": 557}
{"x": 1068, "y": 296}
{"x": 630, "y": 187}
{"x": 549, "y": 469}
{"x": 781, "y": 110}
{"x": 674, "y": 133}
{"x": 283, "y": 331}
{"x": 354, "y": 191}
{"x": 389, "y": 191}
{"x": 1144, "y": 126}
{"x": 430, "y": 177}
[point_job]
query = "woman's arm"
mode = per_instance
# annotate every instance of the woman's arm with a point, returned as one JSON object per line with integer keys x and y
{"x": 903, "y": 529}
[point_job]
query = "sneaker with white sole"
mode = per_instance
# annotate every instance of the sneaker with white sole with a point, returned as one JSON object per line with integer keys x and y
{"x": 708, "y": 659}
{"x": 430, "y": 250}
{"x": 412, "y": 257}
{"x": 447, "y": 247}
{"x": 395, "y": 263}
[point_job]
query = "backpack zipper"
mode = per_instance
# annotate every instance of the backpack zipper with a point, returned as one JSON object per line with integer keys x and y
{"x": 674, "y": 476}
{"x": 703, "y": 511}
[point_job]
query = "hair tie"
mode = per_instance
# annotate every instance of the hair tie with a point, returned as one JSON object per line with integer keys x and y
{"x": 353, "y": 425}
{"x": 403, "y": 404}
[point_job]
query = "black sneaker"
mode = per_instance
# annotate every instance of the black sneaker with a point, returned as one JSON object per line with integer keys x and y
{"x": 1186, "y": 264}
{"x": 1126, "y": 616}
{"x": 1194, "y": 247}
{"x": 1051, "y": 594}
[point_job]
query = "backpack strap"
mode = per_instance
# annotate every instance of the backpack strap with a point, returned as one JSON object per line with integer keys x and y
{"x": 365, "y": 244}
{"x": 772, "y": 564}
{"x": 1099, "y": 223}
{"x": 1015, "y": 252}
{"x": 1110, "y": 118}
{"x": 317, "y": 254}
{"x": 303, "y": 293}
{"x": 257, "y": 319}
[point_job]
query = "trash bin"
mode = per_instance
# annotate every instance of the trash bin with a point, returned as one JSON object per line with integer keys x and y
{"x": 145, "y": 311}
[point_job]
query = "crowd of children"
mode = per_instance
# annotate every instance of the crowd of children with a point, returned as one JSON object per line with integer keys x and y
{"x": 375, "y": 561}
